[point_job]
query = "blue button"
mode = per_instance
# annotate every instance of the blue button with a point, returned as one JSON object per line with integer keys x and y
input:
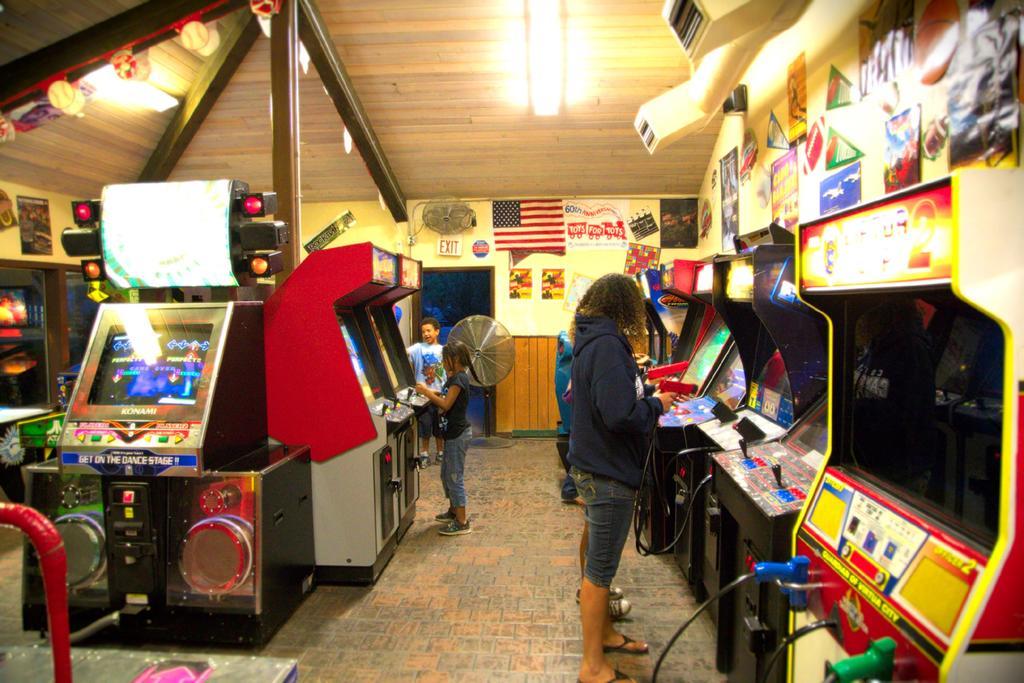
{"x": 748, "y": 463}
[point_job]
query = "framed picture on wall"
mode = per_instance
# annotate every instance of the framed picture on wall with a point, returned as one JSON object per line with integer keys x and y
{"x": 34, "y": 216}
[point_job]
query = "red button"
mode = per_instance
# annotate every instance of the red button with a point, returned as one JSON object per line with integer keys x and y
{"x": 128, "y": 497}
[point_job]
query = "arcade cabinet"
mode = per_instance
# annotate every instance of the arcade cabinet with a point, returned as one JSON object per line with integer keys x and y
{"x": 174, "y": 508}
{"x": 758, "y": 488}
{"x": 677, "y": 292}
{"x": 912, "y": 530}
{"x": 338, "y": 377}
{"x": 659, "y": 342}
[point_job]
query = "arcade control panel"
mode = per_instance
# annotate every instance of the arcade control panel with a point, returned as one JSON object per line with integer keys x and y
{"x": 882, "y": 567}
{"x": 774, "y": 476}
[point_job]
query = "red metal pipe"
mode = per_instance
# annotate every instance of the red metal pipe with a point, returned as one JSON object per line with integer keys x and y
{"x": 50, "y": 548}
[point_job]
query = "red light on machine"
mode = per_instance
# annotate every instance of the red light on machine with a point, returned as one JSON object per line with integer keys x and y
{"x": 258, "y": 204}
{"x": 259, "y": 265}
{"x": 93, "y": 270}
{"x": 263, "y": 263}
{"x": 128, "y": 497}
{"x": 86, "y": 212}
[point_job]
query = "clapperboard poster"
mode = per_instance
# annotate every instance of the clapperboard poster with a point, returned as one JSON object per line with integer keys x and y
{"x": 643, "y": 224}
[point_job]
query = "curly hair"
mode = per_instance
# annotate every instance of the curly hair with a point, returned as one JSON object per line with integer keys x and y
{"x": 616, "y": 297}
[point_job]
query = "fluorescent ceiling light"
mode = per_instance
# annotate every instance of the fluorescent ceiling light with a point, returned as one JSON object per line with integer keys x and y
{"x": 347, "y": 139}
{"x": 128, "y": 93}
{"x": 546, "y": 61}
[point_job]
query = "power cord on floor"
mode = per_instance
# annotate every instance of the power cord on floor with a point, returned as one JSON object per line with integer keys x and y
{"x": 792, "y": 638}
{"x": 736, "y": 583}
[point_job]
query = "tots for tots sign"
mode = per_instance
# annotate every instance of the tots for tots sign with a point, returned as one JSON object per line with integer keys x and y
{"x": 595, "y": 224}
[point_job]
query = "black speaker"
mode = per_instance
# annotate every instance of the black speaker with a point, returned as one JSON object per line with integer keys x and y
{"x": 736, "y": 101}
{"x": 81, "y": 241}
{"x": 266, "y": 235}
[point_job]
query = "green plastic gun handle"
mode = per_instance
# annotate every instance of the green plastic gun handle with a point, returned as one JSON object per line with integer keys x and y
{"x": 876, "y": 663}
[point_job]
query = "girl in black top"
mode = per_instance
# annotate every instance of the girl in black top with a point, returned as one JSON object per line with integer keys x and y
{"x": 455, "y": 428}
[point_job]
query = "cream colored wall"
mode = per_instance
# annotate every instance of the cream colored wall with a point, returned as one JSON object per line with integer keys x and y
{"x": 862, "y": 123}
{"x": 60, "y": 218}
{"x": 533, "y": 316}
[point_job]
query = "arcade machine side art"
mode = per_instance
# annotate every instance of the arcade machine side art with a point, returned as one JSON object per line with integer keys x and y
{"x": 925, "y": 582}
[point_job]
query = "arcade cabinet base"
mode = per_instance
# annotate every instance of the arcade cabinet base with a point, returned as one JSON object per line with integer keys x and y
{"x": 123, "y": 666}
{"x": 367, "y": 576}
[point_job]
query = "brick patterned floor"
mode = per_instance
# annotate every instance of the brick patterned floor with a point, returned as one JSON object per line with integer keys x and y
{"x": 496, "y": 605}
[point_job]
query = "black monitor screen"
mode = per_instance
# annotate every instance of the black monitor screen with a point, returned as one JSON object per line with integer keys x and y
{"x": 160, "y": 368}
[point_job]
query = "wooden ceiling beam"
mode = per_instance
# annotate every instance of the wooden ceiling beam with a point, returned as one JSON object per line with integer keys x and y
{"x": 77, "y": 55}
{"x": 324, "y": 55}
{"x": 236, "y": 41}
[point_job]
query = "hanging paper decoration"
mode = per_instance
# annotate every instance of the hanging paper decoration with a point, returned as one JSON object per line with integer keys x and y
{"x": 200, "y": 38}
{"x": 264, "y": 11}
{"x": 776, "y": 136}
{"x": 129, "y": 66}
{"x": 77, "y": 104}
{"x": 935, "y": 136}
{"x": 814, "y": 145}
{"x": 61, "y": 94}
{"x": 840, "y": 151}
{"x": 6, "y": 129}
{"x": 840, "y": 90}
{"x": 749, "y": 155}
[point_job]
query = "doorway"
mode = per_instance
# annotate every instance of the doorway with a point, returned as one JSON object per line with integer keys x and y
{"x": 451, "y": 294}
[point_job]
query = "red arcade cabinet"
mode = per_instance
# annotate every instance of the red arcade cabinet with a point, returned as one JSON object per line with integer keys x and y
{"x": 677, "y": 289}
{"x": 913, "y": 528}
{"x": 338, "y": 374}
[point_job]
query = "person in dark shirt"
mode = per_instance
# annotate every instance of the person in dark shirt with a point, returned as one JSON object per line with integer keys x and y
{"x": 452, "y": 403}
{"x": 613, "y": 416}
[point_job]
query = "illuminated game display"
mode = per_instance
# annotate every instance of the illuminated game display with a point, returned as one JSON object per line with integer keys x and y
{"x": 729, "y": 386}
{"x": 187, "y": 237}
{"x": 13, "y": 309}
{"x": 911, "y": 529}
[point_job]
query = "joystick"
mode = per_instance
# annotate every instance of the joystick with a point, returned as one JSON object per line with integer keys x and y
{"x": 777, "y": 471}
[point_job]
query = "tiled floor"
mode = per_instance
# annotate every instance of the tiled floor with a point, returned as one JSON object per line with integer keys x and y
{"x": 496, "y": 605}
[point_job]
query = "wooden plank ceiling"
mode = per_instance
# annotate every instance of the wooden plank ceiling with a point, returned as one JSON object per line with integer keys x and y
{"x": 443, "y": 84}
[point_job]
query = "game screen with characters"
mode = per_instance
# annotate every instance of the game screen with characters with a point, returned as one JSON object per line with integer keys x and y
{"x": 707, "y": 353}
{"x": 728, "y": 387}
{"x": 160, "y": 368}
{"x": 771, "y": 395}
{"x": 13, "y": 309}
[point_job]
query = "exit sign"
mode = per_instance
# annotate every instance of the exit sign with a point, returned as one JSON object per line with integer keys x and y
{"x": 449, "y": 246}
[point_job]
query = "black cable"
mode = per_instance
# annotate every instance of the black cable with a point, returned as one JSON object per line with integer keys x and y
{"x": 735, "y": 583}
{"x": 682, "y": 527}
{"x": 792, "y": 638}
{"x": 640, "y": 510}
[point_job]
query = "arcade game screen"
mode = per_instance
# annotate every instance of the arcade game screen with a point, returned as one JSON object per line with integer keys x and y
{"x": 357, "y": 363}
{"x": 707, "y": 353}
{"x": 386, "y": 353}
{"x": 812, "y": 434}
{"x": 13, "y": 309}
{"x": 168, "y": 234}
{"x": 771, "y": 395}
{"x": 163, "y": 367}
{"x": 728, "y": 387}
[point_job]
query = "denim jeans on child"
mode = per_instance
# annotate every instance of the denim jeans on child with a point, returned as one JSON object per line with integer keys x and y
{"x": 608, "y": 511}
{"x": 452, "y": 468}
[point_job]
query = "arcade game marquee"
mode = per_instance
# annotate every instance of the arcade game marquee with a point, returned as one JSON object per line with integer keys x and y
{"x": 339, "y": 378}
{"x": 912, "y": 529}
{"x": 175, "y": 510}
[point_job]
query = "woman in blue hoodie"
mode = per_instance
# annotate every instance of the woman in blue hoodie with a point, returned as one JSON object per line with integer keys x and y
{"x": 613, "y": 418}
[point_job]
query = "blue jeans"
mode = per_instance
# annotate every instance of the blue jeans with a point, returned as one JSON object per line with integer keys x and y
{"x": 608, "y": 511}
{"x": 453, "y": 466}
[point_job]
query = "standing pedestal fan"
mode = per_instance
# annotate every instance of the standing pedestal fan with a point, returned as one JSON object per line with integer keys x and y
{"x": 493, "y": 353}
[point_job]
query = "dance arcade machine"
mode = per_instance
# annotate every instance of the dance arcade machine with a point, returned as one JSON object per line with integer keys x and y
{"x": 925, "y": 579}
{"x": 339, "y": 378}
{"x": 759, "y": 488}
{"x": 175, "y": 510}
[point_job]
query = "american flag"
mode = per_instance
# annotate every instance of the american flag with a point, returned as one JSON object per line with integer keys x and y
{"x": 529, "y": 225}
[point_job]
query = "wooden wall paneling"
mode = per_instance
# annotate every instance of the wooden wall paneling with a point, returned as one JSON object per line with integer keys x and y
{"x": 505, "y": 405}
{"x": 522, "y": 384}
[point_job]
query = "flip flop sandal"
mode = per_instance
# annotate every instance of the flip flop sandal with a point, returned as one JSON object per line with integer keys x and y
{"x": 619, "y": 676}
{"x": 624, "y": 647}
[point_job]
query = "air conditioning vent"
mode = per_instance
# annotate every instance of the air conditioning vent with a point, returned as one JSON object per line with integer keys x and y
{"x": 647, "y": 135}
{"x": 687, "y": 24}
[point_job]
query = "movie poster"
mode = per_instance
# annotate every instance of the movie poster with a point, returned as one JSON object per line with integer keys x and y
{"x": 796, "y": 93}
{"x": 34, "y": 216}
{"x": 580, "y": 285}
{"x": 886, "y": 42}
{"x": 552, "y": 284}
{"x": 730, "y": 198}
{"x": 678, "y": 223}
{"x": 983, "y": 112}
{"x": 641, "y": 257}
{"x": 520, "y": 283}
{"x": 902, "y": 150}
{"x": 786, "y": 190}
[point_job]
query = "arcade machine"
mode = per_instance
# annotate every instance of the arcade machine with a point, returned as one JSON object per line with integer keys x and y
{"x": 758, "y": 488}
{"x": 659, "y": 342}
{"x": 677, "y": 291}
{"x": 338, "y": 378}
{"x": 924, "y": 576}
{"x": 176, "y": 511}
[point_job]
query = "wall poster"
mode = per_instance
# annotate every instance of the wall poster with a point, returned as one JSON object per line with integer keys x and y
{"x": 34, "y": 216}
{"x": 840, "y": 190}
{"x": 520, "y": 283}
{"x": 730, "y": 198}
{"x": 640, "y": 258}
{"x": 580, "y": 285}
{"x": 8, "y": 218}
{"x": 596, "y": 223}
{"x": 786, "y": 190}
{"x": 902, "y": 150}
{"x": 796, "y": 91}
{"x": 678, "y": 223}
{"x": 552, "y": 284}
{"x": 886, "y": 42}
